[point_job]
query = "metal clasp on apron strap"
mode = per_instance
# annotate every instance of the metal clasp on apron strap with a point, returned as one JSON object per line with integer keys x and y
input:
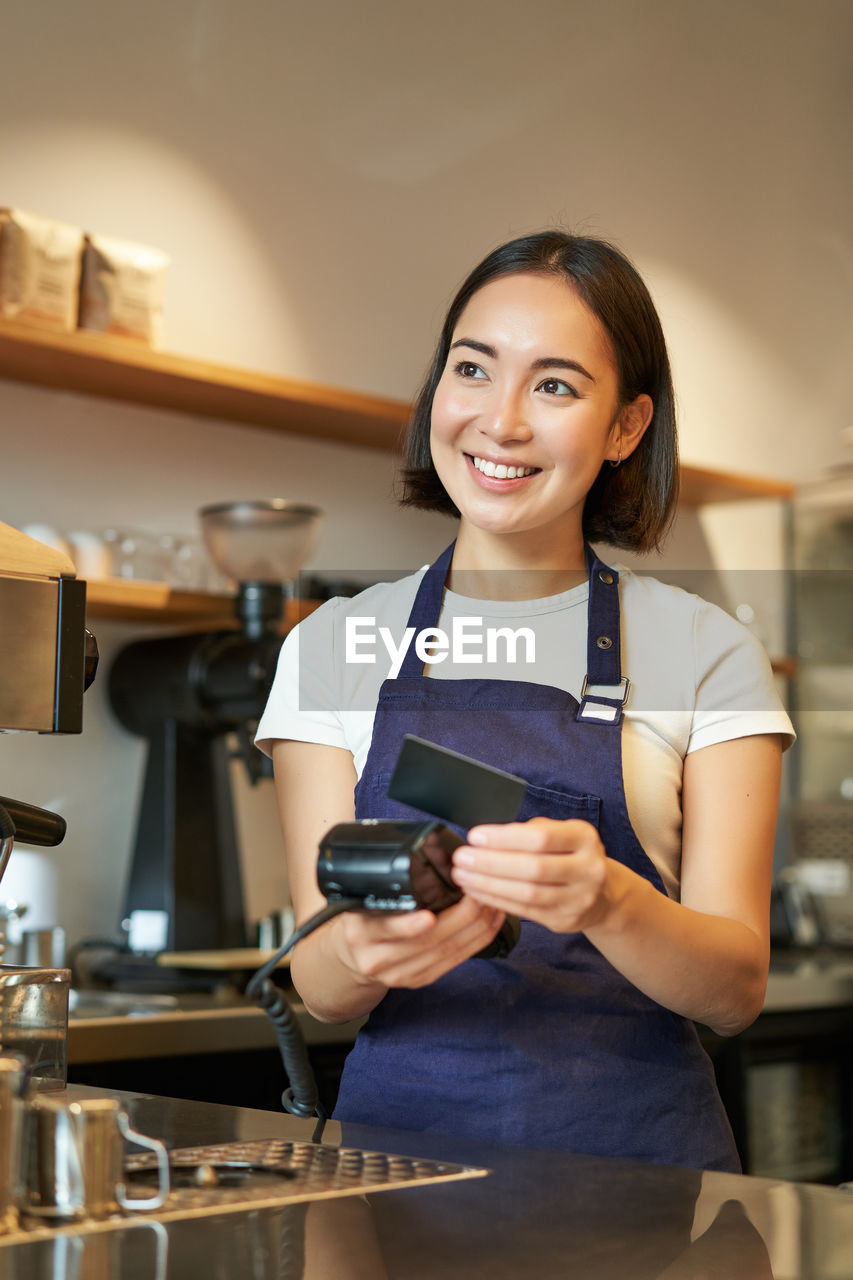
{"x": 601, "y": 706}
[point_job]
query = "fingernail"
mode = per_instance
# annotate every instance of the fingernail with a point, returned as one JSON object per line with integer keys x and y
{"x": 476, "y": 836}
{"x": 462, "y": 858}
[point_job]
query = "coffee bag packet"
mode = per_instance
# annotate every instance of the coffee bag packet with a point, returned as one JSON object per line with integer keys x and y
{"x": 39, "y": 269}
{"x": 122, "y": 288}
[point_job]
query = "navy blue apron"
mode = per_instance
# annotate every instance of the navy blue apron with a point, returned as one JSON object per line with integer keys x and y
{"x": 551, "y": 1047}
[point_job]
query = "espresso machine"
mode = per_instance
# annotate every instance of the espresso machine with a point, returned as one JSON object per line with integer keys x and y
{"x": 49, "y": 660}
{"x": 191, "y": 696}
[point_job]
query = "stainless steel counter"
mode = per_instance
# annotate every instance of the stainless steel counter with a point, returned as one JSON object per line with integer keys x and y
{"x": 538, "y": 1213}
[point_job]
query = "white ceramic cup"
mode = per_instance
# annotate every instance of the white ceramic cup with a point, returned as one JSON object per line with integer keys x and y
{"x": 92, "y": 557}
{"x": 48, "y": 535}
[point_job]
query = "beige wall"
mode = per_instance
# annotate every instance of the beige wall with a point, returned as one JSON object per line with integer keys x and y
{"x": 322, "y": 176}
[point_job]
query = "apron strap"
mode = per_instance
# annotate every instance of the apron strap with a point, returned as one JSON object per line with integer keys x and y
{"x": 426, "y": 609}
{"x": 603, "y": 647}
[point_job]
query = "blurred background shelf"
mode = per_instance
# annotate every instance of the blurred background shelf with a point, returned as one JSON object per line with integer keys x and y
{"x": 126, "y": 600}
{"x": 700, "y": 486}
{"x": 114, "y": 369}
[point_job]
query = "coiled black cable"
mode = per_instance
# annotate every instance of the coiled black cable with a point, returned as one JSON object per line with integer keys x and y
{"x": 302, "y": 1097}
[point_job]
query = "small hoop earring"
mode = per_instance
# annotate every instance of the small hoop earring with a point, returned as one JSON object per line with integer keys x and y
{"x": 618, "y": 460}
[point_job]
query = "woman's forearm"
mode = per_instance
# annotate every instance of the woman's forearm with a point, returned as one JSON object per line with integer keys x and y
{"x": 709, "y": 968}
{"x": 330, "y": 990}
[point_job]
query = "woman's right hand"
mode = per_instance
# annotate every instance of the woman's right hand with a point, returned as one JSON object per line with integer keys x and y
{"x": 343, "y": 970}
{"x": 413, "y": 949}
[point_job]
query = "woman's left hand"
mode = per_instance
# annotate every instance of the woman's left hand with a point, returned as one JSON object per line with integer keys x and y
{"x": 552, "y": 872}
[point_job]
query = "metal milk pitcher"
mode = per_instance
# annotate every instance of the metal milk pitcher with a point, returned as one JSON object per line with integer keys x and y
{"x": 75, "y": 1160}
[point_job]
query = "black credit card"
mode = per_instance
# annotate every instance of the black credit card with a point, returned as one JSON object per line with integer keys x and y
{"x": 454, "y": 787}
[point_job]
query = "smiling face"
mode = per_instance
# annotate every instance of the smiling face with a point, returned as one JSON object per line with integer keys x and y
{"x": 525, "y": 413}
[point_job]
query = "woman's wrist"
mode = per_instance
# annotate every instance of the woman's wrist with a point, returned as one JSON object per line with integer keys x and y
{"x": 620, "y": 901}
{"x": 341, "y": 951}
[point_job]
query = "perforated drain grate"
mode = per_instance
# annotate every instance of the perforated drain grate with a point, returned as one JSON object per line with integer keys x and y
{"x": 248, "y": 1172}
{"x": 237, "y": 1176}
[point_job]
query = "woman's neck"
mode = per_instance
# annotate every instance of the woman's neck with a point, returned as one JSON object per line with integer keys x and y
{"x": 513, "y": 567}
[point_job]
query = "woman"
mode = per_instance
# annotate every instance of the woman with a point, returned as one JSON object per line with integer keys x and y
{"x": 647, "y": 726}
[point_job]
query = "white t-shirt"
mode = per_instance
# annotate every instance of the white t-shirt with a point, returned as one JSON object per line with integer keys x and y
{"x": 698, "y": 677}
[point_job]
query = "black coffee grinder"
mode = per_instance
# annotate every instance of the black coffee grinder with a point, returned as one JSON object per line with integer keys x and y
{"x": 187, "y": 695}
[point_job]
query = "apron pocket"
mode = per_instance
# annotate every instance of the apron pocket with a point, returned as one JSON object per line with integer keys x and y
{"x": 542, "y": 802}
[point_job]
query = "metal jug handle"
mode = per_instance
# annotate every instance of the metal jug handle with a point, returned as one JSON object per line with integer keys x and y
{"x": 155, "y": 1145}
{"x": 69, "y": 1137}
{"x": 161, "y": 1256}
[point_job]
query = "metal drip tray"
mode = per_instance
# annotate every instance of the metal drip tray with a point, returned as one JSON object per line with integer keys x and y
{"x": 249, "y": 1174}
{"x": 240, "y": 1176}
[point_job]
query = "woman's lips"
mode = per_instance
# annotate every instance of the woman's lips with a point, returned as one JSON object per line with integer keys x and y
{"x": 496, "y": 476}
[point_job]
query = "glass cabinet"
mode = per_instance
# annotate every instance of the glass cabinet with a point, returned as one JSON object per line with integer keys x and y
{"x": 821, "y": 559}
{"x": 821, "y": 637}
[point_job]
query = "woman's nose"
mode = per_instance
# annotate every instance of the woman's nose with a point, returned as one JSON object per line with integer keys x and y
{"x": 506, "y": 417}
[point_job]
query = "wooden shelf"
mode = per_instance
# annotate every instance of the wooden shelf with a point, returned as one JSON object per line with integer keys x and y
{"x": 133, "y": 600}
{"x": 699, "y": 486}
{"x": 124, "y": 370}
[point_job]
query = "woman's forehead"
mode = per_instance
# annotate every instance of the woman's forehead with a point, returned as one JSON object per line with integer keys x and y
{"x": 527, "y": 311}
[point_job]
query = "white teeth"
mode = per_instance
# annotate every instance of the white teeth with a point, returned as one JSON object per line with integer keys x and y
{"x": 500, "y": 470}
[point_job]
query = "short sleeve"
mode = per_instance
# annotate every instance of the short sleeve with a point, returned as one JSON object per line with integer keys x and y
{"x": 302, "y": 704}
{"x": 736, "y": 694}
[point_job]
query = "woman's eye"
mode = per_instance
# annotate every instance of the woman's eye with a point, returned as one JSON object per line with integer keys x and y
{"x": 467, "y": 369}
{"x": 556, "y": 387}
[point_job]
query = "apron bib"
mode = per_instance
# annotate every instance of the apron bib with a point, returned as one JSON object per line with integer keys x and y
{"x": 551, "y": 1047}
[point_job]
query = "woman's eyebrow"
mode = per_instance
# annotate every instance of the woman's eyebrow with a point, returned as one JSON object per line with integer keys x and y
{"x": 544, "y": 362}
{"x": 559, "y": 362}
{"x": 482, "y": 347}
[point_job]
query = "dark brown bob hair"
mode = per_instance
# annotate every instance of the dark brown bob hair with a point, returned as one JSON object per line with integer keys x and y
{"x": 631, "y": 505}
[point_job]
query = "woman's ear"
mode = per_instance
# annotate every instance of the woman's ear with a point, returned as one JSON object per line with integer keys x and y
{"x": 630, "y": 427}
